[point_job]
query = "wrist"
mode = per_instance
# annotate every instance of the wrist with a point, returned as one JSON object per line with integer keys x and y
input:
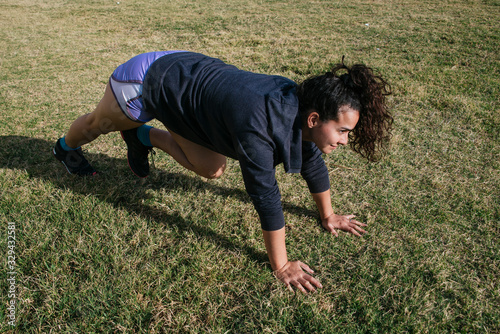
{"x": 326, "y": 215}
{"x": 276, "y": 248}
{"x": 281, "y": 269}
{"x": 278, "y": 267}
{"x": 324, "y": 204}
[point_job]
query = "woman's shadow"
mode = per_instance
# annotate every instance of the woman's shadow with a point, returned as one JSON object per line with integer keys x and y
{"x": 121, "y": 189}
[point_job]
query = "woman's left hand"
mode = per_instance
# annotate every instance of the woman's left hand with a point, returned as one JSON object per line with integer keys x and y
{"x": 345, "y": 223}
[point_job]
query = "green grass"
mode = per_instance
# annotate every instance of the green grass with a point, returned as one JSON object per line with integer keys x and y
{"x": 177, "y": 253}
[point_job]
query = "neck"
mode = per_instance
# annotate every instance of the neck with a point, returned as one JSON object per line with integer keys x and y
{"x": 306, "y": 133}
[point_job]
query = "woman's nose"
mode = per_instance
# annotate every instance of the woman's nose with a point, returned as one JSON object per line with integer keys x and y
{"x": 344, "y": 139}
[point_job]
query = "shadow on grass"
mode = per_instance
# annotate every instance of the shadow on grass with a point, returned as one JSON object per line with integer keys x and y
{"x": 119, "y": 187}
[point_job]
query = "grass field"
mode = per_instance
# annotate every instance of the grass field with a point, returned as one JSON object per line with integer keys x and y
{"x": 180, "y": 254}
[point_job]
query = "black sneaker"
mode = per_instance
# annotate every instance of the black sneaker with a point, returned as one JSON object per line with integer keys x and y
{"x": 137, "y": 154}
{"x": 74, "y": 161}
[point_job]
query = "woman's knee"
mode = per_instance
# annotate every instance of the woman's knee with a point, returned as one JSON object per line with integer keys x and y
{"x": 100, "y": 125}
{"x": 212, "y": 172}
{"x": 103, "y": 122}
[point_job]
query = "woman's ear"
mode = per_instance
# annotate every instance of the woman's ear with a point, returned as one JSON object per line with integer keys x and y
{"x": 312, "y": 119}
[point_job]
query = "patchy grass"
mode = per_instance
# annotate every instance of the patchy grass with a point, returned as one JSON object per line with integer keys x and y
{"x": 177, "y": 253}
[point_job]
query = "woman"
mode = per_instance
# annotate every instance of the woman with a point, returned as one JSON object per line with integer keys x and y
{"x": 213, "y": 110}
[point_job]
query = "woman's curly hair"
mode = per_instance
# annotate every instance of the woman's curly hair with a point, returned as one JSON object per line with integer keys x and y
{"x": 360, "y": 89}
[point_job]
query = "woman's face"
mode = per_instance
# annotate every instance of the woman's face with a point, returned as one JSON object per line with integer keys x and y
{"x": 329, "y": 135}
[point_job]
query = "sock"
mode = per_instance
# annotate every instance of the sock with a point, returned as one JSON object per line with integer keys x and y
{"x": 65, "y": 146}
{"x": 143, "y": 135}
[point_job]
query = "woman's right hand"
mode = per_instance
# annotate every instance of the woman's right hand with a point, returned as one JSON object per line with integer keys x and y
{"x": 292, "y": 274}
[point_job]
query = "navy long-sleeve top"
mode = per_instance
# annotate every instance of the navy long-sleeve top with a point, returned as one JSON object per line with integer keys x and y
{"x": 250, "y": 117}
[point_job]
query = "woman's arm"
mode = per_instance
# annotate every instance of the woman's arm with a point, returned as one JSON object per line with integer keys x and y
{"x": 324, "y": 204}
{"x": 290, "y": 273}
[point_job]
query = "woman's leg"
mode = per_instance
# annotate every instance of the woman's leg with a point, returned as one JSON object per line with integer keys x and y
{"x": 194, "y": 157}
{"x": 106, "y": 117}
